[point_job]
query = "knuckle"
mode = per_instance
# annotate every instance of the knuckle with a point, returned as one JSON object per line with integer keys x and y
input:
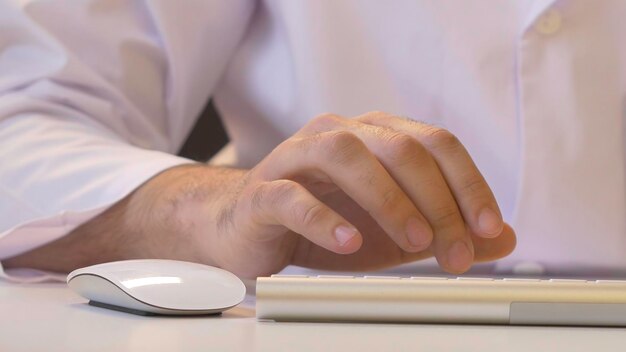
{"x": 289, "y": 144}
{"x": 375, "y": 115}
{"x": 282, "y": 191}
{"x": 440, "y": 138}
{"x": 474, "y": 186}
{"x": 400, "y": 142}
{"x": 342, "y": 147}
{"x": 447, "y": 217}
{"x": 311, "y": 215}
{"x": 390, "y": 200}
{"x": 403, "y": 149}
{"x": 325, "y": 119}
{"x": 414, "y": 122}
{"x": 300, "y": 144}
{"x": 267, "y": 194}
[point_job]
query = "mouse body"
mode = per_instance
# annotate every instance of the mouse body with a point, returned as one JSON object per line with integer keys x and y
{"x": 158, "y": 286}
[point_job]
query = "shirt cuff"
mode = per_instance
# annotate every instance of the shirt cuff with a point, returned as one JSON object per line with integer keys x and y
{"x": 35, "y": 233}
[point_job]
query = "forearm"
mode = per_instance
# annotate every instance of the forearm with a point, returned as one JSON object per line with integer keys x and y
{"x": 163, "y": 218}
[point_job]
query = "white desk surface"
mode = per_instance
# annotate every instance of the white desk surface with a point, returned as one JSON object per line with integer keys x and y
{"x": 50, "y": 317}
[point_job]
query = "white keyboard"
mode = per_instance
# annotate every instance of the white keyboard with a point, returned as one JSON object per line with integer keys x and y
{"x": 441, "y": 300}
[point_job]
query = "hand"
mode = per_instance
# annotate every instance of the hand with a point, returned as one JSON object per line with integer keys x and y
{"x": 359, "y": 194}
{"x": 344, "y": 194}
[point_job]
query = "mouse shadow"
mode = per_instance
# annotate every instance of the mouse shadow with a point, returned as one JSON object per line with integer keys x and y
{"x": 114, "y": 311}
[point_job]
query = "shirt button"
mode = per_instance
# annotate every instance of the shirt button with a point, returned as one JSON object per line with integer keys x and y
{"x": 549, "y": 23}
{"x": 528, "y": 268}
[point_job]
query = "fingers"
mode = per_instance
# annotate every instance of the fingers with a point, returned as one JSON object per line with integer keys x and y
{"x": 413, "y": 168}
{"x": 485, "y": 249}
{"x": 344, "y": 159}
{"x": 287, "y": 203}
{"x": 417, "y": 181}
{"x": 488, "y": 249}
{"x": 472, "y": 193}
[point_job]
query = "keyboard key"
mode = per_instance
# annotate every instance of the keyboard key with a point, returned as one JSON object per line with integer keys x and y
{"x": 571, "y": 281}
{"x": 622, "y": 282}
{"x": 334, "y": 277}
{"x": 381, "y": 277}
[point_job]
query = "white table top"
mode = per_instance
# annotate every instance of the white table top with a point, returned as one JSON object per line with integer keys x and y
{"x": 50, "y": 317}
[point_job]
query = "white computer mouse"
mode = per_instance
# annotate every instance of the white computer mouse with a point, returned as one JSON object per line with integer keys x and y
{"x": 158, "y": 286}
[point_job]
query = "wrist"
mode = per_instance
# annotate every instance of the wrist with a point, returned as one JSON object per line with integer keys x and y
{"x": 178, "y": 211}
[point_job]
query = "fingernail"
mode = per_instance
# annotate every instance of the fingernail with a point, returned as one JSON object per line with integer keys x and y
{"x": 459, "y": 256}
{"x": 343, "y": 234}
{"x": 417, "y": 233}
{"x": 490, "y": 222}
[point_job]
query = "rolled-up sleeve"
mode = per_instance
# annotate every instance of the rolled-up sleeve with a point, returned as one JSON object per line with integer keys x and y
{"x": 95, "y": 98}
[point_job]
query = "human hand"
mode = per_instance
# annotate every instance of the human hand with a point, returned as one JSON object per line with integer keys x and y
{"x": 359, "y": 194}
{"x": 341, "y": 194}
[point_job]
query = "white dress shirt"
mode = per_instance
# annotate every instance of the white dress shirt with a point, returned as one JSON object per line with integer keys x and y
{"x": 97, "y": 96}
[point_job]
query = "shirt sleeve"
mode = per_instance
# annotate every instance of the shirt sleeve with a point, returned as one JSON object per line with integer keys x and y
{"x": 95, "y": 98}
